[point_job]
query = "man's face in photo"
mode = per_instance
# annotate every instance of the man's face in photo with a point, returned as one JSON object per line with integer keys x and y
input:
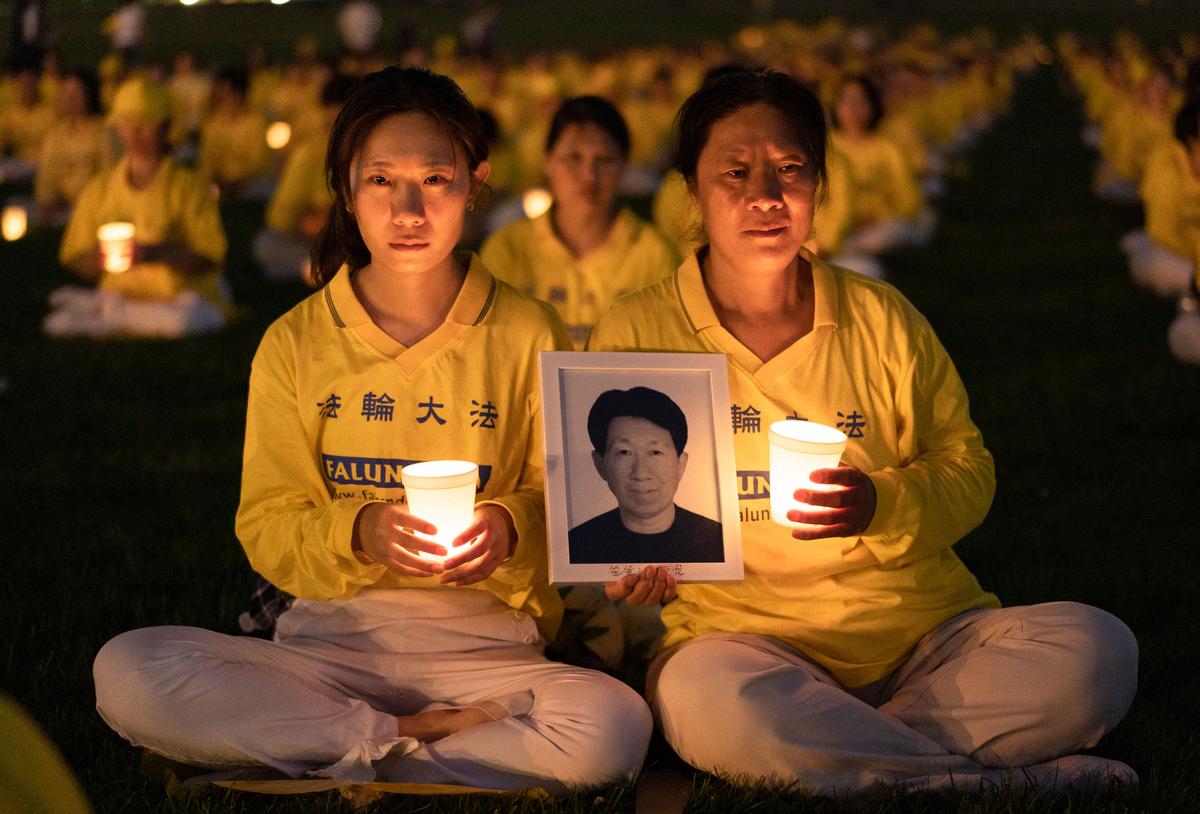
{"x": 641, "y": 467}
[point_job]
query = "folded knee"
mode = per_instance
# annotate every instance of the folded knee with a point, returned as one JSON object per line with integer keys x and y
{"x": 1098, "y": 674}
{"x": 601, "y": 723}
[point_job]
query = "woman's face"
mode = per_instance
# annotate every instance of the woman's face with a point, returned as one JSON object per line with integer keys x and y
{"x": 755, "y": 186}
{"x": 852, "y": 109}
{"x": 584, "y": 168}
{"x": 410, "y": 191}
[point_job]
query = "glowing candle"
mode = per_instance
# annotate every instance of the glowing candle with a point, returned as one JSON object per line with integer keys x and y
{"x": 278, "y": 135}
{"x": 116, "y": 246}
{"x": 798, "y": 448}
{"x": 14, "y": 222}
{"x": 536, "y": 202}
{"x": 442, "y": 492}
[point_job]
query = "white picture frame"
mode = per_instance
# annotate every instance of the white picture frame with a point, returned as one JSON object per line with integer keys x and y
{"x": 577, "y": 492}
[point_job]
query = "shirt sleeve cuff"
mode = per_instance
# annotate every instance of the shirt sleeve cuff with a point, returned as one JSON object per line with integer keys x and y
{"x": 343, "y": 542}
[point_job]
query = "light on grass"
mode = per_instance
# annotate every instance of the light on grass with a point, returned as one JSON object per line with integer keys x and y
{"x": 442, "y": 492}
{"x": 536, "y": 202}
{"x": 116, "y": 246}
{"x": 188, "y": 2}
{"x": 14, "y": 222}
{"x": 278, "y": 2}
{"x": 278, "y": 135}
{"x": 798, "y": 448}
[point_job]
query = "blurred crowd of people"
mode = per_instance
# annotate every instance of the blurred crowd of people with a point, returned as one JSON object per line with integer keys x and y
{"x": 1143, "y": 117}
{"x": 160, "y": 145}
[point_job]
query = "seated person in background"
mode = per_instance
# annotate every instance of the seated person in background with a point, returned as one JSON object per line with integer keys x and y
{"x": 174, "y": 285}
{"x": 584, "y": 252}
{"x": 638, "y": 439}
{"x": 299, "y": 206}
{"x": 189, "y": 90}
{"x": 887, "y": 198}
{"x": 1137, "y": 122}
{"x": 24, "y": 124}
{"x": 233, "y": 140}
{"x": 75, "y": 150}
{"x": 1162, "y": 257}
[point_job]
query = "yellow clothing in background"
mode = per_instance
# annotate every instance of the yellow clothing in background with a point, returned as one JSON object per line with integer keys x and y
{"x": 650, "y": 125}
{"x": 301, "y": 188}
{"x": 261, "y": 87}
{"x": 530, "y": 257}
{"x": 1171, "y": 196}
{"x": 176, "y": 207}
{"x": 883, "y": 185}
{"x": 233, "y": 148}
{"x": 34, "y": 778}
{"x": 337, "y": 407}
{"x": 676, "y": 215}
{"x": 872, "y": 367}
{"x": 23, "y": 129}
{"x": 1129, "y": 136}
{"x": 835, "y": 213}
{"x": 902, "y": 129}
{"x": 71, "y": 156}
{"x": 189, "y": 99}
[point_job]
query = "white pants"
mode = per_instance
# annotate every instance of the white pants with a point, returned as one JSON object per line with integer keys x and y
{"x": 322, "y": 698}
{"x": 78, "y": 311}
{"x": 984, "y": 692}
{"x": 1183, "y": 338}
{"x": 1156, "y": 267}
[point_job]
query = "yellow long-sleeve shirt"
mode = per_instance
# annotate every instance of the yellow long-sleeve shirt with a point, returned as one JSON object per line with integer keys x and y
{"x": 233, "y": 148}
{"x": 835, "y": 213}
{"x": 882, "y": 184}
{"x": 1129, "y": 135}
{"x": 176, "y": 207}
{"x": 529, "y": 256}
{"x": 1171, "y": 195}
{"x": 873, "y": 367}
{"x": 337, "y": 407}
{"x": 71, "y": 156}
{"x": 23, "y": 129}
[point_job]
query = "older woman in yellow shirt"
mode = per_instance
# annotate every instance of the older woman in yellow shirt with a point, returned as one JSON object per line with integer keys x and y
{"x": 858, "y": 649}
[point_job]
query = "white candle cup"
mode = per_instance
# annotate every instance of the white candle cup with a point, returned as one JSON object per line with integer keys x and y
{"x": 797, "y": 449}
{"x": 13, "y": 222}
{"x": 442, "y": 492}
{"x": 116, "y": 246}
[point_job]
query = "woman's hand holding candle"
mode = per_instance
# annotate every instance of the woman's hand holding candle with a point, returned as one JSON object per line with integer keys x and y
{"x": 384, "y": 533}
{"x": 843, "y": 511}
{"x": 479, "y": 550}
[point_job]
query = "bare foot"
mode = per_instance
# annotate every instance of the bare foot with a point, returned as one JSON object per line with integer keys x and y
{"x": 435, "y": 724}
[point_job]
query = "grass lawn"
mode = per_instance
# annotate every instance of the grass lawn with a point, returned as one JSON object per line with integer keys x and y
{"x": 120, "y": 463}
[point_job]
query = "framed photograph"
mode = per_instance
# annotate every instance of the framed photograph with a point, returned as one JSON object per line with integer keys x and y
{"x": 639, "y": 466}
